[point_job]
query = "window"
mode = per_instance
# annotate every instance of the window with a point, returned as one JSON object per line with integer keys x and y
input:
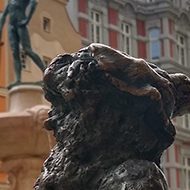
{"x": 23, "y": 59}
{"x": 186, "y": 173}
{"x": 154, "y": 44}
{"x": 186, "y": 121}
{"x": 150, "y": 1}
{"x": 46, "y": 24}
{"x": 181, "y": 49}
{"x": 178, "y": 3}
{"x": 126, "y": 38}
{"x": 46, "y": 61}
{"x": 96, "y": 29}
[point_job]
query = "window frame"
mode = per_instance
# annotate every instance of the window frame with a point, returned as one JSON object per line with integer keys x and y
{"x": 46, "y": 60}
{"x": 179, "y": 47}
{"x": 153, "y": 40}
{"x": 46, "y": 28}
{"x": 186, "y": 121}
{"x": 95, "y": 25}
{"x": 24, "y": 61}
{"x": 186, "y": 173}
{"x": 150, "y": 1}
{"x": 124, "y": 37}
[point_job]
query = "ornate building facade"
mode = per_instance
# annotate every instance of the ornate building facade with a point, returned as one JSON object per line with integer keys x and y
{"x": 159, "y": 32}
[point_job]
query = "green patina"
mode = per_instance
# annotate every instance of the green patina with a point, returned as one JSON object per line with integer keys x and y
{"x": 18, "y": 33}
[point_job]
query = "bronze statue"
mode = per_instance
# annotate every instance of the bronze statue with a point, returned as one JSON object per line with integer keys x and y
{"x": 111, "y": 116}
{"x": 18, "y": 32}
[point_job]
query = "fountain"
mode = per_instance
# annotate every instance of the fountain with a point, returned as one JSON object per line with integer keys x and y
{"x": 24, "y": 143}
{"x": 111, "y": 116}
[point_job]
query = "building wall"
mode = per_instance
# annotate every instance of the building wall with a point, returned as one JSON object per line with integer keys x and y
{"x": 153, "y": 27}
{"x": 3, "y": 91}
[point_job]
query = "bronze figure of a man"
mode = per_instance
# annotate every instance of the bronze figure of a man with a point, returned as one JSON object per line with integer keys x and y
{"x": 18, "y": 32}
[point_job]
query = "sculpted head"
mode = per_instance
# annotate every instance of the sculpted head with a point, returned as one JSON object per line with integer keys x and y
{"x": 105, "y": 99}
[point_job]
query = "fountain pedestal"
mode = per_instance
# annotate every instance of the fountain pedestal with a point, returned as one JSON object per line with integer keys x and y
{"x": 24, "y": 143}
{"x": 25, "y": 96}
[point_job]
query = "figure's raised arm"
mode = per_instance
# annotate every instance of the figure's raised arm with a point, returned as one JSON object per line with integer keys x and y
{"x": 3, "y": 18}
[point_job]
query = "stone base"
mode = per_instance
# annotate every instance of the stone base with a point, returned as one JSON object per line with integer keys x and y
{"x": 24, "y": 143}
{"x": 25, "y": 96}
{"x": 22, "y": 172}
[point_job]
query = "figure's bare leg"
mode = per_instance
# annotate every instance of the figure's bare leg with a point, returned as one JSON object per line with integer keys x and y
{"x": 14, "y": 43}
{"x": 25, "y": 41}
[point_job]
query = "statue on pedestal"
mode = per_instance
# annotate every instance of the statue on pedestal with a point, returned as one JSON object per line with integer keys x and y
{"x": 111, "y": 117}
{"x": 18, "y": 33}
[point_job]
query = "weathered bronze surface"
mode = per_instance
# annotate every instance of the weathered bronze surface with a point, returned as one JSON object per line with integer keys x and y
{"x": 18, "y": 33}
{"x": 111, "y": 116}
